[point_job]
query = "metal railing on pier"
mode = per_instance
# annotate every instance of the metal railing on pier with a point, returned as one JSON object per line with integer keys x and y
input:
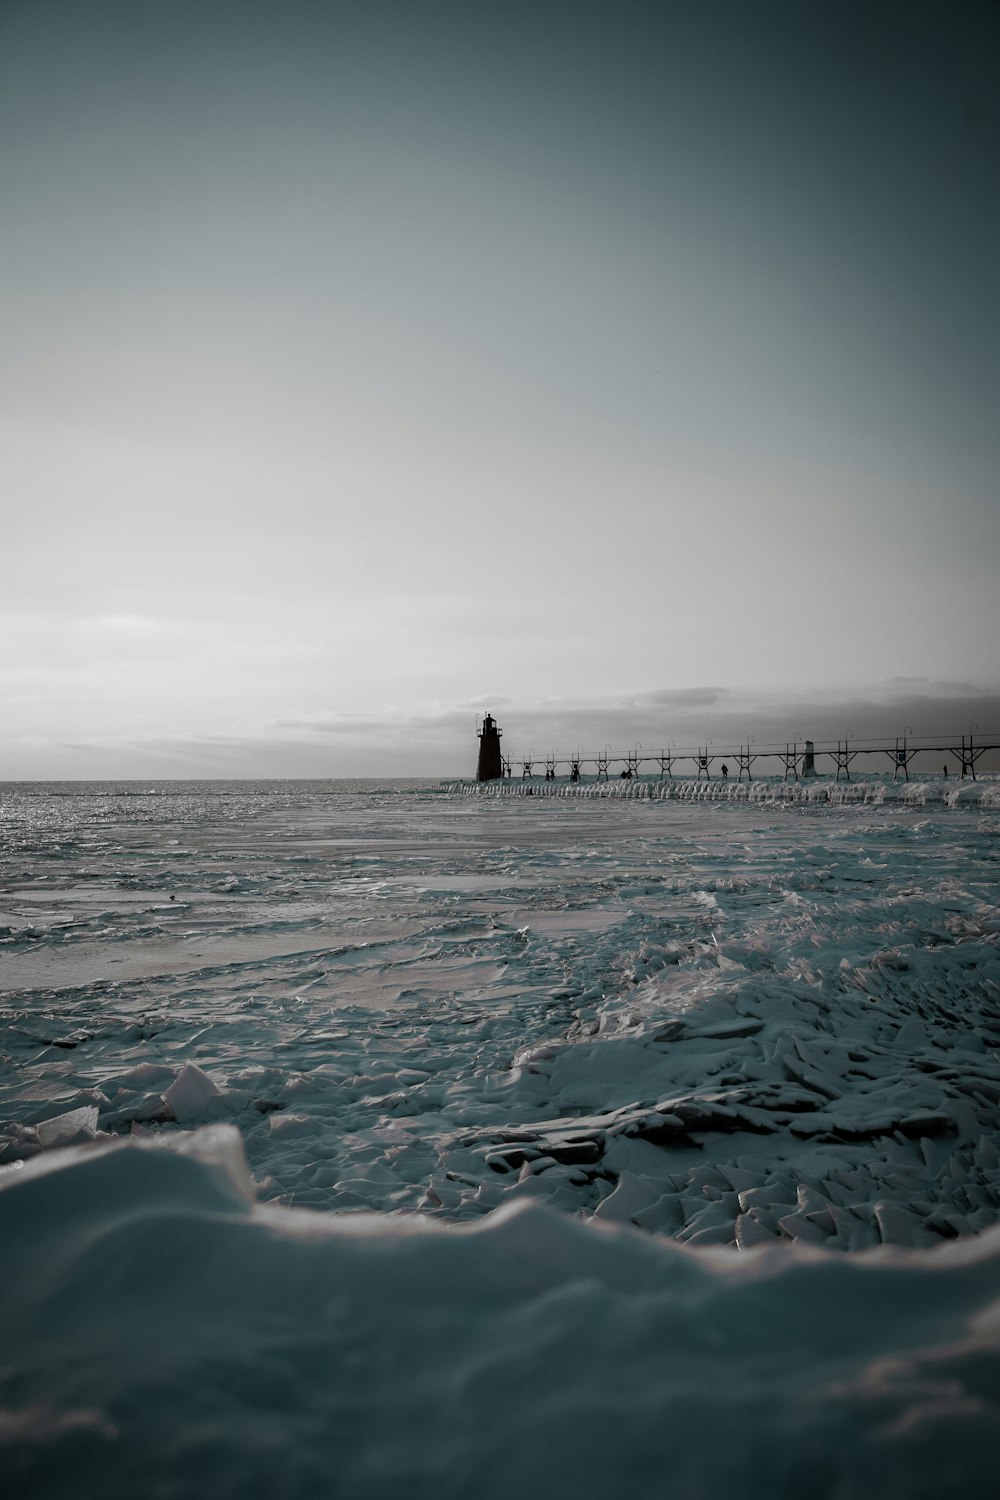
{"x": 794, "y": 760}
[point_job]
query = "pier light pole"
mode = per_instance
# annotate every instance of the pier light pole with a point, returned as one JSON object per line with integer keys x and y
{"x": 745, "y": 760}
{"x": 968, "y": 756}
{"x": 667, "y": 760}
{"x": 790, "y": 758}
{"x": 901, "y": 757}
{"x": 843, "y": 757}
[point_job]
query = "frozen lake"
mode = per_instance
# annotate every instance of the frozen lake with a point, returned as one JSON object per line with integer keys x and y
{"x": 619, "y": 1026}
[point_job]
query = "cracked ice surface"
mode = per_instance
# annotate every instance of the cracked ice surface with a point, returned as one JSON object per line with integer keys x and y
{"x": 726, "y": 1023}
{"x": 566, "y": 1120}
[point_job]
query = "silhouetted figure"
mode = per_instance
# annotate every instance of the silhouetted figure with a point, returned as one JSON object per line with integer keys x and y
{"x": 946, "y": 770}
{"x": 725, "y": 769}
{"x": 574, "y": 774}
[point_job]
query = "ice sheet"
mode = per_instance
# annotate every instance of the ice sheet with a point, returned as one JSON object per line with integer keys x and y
{"x": 580, "y": 1130}
{"x": 439, "y": 990}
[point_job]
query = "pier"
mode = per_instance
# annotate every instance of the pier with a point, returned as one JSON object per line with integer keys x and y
{"x": 942, "y": 756}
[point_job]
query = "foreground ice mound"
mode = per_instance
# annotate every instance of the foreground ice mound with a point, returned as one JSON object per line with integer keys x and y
{"x": 162, "y": 1332}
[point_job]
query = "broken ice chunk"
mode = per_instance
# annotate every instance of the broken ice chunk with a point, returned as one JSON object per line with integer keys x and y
{"x": 750, "y": 1232}
{"x": 192, "y": 1094}
{"x": 75, "y": 1125}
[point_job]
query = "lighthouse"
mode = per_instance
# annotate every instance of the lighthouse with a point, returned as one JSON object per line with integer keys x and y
{"x": 490, "y": 758}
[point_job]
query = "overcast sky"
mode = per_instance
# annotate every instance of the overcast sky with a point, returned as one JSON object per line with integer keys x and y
{"x": 613, "y": 365}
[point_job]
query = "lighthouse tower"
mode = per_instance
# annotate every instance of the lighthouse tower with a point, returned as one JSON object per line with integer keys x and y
{"x": 490, "y": 758}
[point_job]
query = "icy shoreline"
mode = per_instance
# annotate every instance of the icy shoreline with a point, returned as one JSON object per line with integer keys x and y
{"x": 874, "y": 791}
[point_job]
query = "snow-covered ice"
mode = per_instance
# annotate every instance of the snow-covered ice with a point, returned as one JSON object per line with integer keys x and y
{"x": 168, "y": 1337}
{"x": 560, "y": 1143}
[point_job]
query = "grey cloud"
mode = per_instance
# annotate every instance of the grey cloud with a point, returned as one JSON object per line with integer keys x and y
{"x": 390, "y": 724}
{"x": 486, "y": 701}
{"x": 440, "y": 740}
{"x": 775, "y": 721}
{"x": 938, "y": 687}
{"x": 697, "y": 697}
